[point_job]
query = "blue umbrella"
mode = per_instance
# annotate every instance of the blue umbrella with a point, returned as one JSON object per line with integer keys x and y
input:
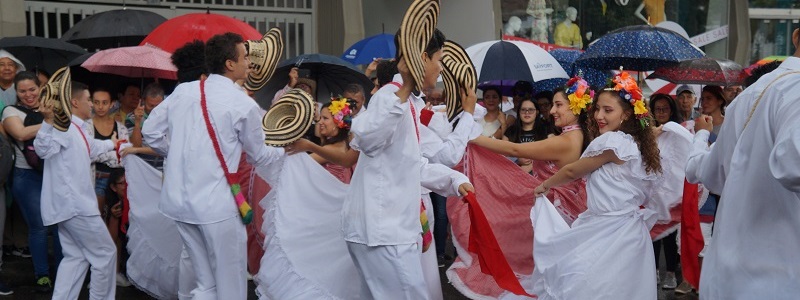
{"x": 376, "y": 46}
{"x": 638, "y": 48}
{"x": 566, "y": 57}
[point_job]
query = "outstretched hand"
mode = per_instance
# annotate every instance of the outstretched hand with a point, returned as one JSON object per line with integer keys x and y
{"x": 465, "y": 188}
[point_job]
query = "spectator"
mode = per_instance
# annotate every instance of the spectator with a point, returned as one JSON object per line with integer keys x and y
{"x": 664, "y": 109}
{"x": 494, "y": 122}
{"x": 385, "y": 72}
{"x": 522, "y": 90}
{"x": 154, "y": 95}
{"x": 730, "y": 93}
{"x": 116, "y": 212}
{"x": 356, "y": 92}
{"x": 529, "y": 127}
{"x": 22, "y": 122}
{"x": 128, "y": 101}
{"x": 103, "y": 126}
{"x": 43, "y": 77}
{"x": 686, "y": 102}
{"x": 713, "y": 104}
{"x": 9, "y": 67}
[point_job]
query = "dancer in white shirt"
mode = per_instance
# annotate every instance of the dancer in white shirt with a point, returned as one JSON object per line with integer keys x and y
{"x": 753, "y": 164}
{"x": 68, "y": 198}
{"x": 195, "y": 193}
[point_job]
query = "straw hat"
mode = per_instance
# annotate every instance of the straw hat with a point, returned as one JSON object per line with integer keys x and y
{"x": 58, "y": 91}
{"x": 264, "y": 55}
{"x": 459, "y": 73}
{"x": 416, "y": 31}
{"x": 289, "y": 118}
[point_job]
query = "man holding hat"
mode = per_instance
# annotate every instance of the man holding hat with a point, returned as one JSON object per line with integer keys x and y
{"x": 196, "y": 192}
{"x": 382, "y": 211}
{"x": 686, "y": 101}
{"x": 68, "y": 198}
{"x": 9, "y": 67}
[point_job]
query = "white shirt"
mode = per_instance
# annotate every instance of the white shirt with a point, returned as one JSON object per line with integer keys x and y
{"x": 195, "y": 189}
{"x": 67, "y": 183}
{"x": 753, "y": 254}
{"x": 382, "y": 206}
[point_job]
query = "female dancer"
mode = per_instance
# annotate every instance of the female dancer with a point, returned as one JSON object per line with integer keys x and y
{"x": 607, "y": 252}
{"x": 502, "y": 188}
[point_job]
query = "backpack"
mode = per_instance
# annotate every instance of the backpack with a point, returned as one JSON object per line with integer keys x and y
{"x": 6, "y": 160}
{"x": 31, "y": 118}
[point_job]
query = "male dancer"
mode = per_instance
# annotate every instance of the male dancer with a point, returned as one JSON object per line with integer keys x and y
{"x": 68, "y": 199}
{"x": 195, "y": 193}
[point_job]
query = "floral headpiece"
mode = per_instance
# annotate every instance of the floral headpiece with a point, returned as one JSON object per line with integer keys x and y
{"x": 579, "y": 93}
{"x": 342, "y": 110}
{"x": 630, "y": 91}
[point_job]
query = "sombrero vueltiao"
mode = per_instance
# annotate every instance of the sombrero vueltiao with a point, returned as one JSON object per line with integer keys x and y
{"x": 264, "y": 55}
{"x": 416, "y": 31}
{"x": 58, "y": 91}
{"x": 459, "y": 73}
{"x": 289, "y": 118}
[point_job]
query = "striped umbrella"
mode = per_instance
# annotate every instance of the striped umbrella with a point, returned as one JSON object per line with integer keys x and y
{"x": 514, "y": 60}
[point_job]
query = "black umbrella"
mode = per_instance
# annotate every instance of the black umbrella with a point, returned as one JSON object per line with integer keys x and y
{"x": 331, "y": 73}
{"x": 114, "y": 28}
{"x": 41, "y": 53}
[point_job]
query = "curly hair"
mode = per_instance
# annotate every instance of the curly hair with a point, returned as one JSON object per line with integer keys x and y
{"x": 190, "y": 61}
{"x": 643, "y": 135}
{"x": 221, "y": 48}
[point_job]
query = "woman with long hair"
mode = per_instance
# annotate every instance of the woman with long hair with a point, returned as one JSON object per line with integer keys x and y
{"x": 712, "y": 103}
{"x": 494, "y": 122}
{"x": 622, "y": 164}
{"x": 528, "y": 127}
{"x": 22, "y": 122}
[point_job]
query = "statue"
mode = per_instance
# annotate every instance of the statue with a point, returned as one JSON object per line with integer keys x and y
{"x": 567, "y": 33}
{"x": 512, "y": 26}
{"x": 540, "y": 26}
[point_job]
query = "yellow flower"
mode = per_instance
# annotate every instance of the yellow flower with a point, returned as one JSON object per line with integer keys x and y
{"x": 577, "y": 104}
{"x": 337, "y": 105}
{"x": 639, "y": 108}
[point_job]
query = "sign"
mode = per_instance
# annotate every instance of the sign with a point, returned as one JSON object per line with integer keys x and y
{"x": 709, "y": 37}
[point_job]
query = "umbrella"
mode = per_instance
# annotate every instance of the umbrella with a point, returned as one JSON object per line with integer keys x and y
{"x": 331, "y": 73}
{"x": 113, "y": 28}
{"x": 638, "y": 48}
{"x": 136, "y": 61}
{"x": 707, "y": 71}
{"x": 503, "y": 60}
{"x": 769, "y": 59}
{"x": 41, "y": 53}
{"x": 176, "y": 32}
{"x": 376, "y": 46}
{"x": 566, "y": 57}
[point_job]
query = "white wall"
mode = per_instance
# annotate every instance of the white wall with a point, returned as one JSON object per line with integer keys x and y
{"x": 466, "y": 22}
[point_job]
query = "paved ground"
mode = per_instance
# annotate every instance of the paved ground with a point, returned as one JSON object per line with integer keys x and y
{"x": 18, "y": 273}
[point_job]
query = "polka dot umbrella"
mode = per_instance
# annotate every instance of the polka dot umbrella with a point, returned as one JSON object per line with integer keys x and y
{"x": 638, "y": 48}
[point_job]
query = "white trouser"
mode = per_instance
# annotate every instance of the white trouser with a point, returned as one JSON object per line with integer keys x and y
{"x": 85, "y": 241}
{"x": 430, "y": 266}
{"x": 390, "y": 272}
{"x": 218, "y": 254}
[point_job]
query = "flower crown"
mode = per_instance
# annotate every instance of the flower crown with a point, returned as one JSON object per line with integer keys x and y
{"x": 630, "y": 91}
{"x": 342, "y": 110}
{"x": 579, "y": 93}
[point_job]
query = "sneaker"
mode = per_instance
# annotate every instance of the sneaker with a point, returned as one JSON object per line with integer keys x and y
{"x": 669, "y": 281}
{"x": 23, "y": 252}
{"x": 122, "y": 280}
{"x": 5, "y": 290}
{"x": 44, "y": 285}
{"x": 684, "y": 288}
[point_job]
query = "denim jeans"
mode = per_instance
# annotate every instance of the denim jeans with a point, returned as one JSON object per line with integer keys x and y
{"x": 439, "y": 222}
{"x": 27, "y": 191}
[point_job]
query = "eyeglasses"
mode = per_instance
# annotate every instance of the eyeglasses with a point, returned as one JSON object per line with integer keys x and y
{"x": 527, "y": 110}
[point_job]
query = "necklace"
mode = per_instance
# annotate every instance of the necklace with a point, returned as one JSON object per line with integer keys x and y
{"x": 569, "y": 128}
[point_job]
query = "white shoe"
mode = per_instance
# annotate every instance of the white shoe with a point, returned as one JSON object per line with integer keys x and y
{"x": 122, "y": 280}
{"x": 669, "y": 281}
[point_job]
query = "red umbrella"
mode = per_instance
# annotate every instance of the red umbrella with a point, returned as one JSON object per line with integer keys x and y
{"x": 704, "y": 70}
{"x": 176, "y": 32}
{"x": 137, "y": 62}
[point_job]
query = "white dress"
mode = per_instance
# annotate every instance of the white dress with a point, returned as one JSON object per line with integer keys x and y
{"x": 608, "y": 253}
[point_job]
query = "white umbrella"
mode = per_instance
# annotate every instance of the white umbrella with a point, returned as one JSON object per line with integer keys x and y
{"x": 514, "y": 60}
